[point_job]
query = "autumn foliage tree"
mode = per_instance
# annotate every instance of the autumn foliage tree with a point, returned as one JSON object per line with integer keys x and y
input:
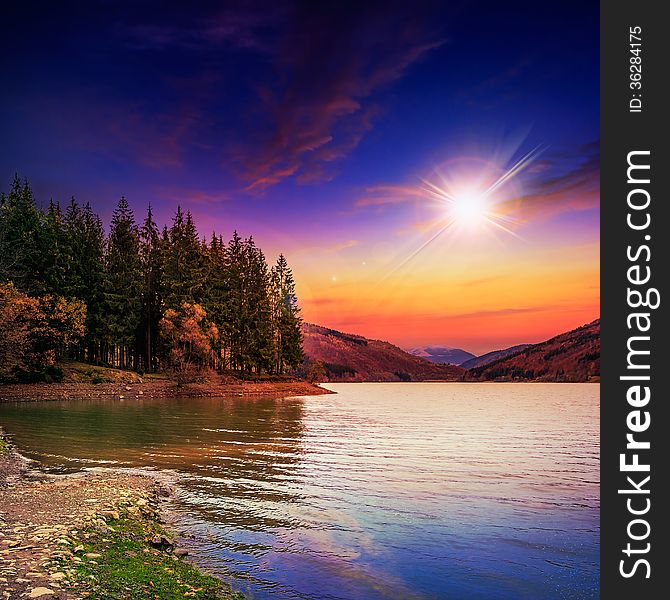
{"x": 189, "y": 340}
{"x": 36, "y": 331}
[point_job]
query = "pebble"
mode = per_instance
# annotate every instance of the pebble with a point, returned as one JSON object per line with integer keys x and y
{"x": 40, "y": 591}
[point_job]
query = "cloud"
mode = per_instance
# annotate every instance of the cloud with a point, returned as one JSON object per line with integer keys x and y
{"x": 329, "y": 69}
{"x": 123, "y": 131}
{"x": 193, "y": 196}
{"x": 501, "y": 312}
{"x": 320, "y": 301}
{"x": 559, "y": 183}
{"x": 272, "y": 91}
{"x": 239, "y": 25}
{"x": 576, "y": 188}
{"x": 345, "y": 245}
{"x": 384, "y": 195}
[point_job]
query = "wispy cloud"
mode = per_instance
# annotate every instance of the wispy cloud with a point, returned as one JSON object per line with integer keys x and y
{"x": 193, "y": 196}
{"x": 557, "y": 184}
{"x": 242, "y": 25}
{"x": 345, "y": 245}
{"x": 320, "y": 82}
{"x": 384, "y": 195}
{"x": 577, "y": 188}
{"x": 329, "y": 70}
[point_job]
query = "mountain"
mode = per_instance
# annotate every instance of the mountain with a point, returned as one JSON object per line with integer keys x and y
{"x": 443, "y": 355}
{"x": 349, "y": 357}
{"x": 572, "y": 356}
{"x": 489, "y": 357}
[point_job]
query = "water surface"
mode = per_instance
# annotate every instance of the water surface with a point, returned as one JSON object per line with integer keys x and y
{"x": 454, "y": 491}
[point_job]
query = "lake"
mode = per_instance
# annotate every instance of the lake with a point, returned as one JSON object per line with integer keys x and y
{"x": 401, "y": 490}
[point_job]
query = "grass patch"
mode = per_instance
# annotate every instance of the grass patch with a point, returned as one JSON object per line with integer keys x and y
{"x": 3, "y": 447}
{"x": 129, "y": 568}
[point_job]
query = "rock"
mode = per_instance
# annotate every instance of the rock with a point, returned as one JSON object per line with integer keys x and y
{"x": 57, "y": 576}
{"x": 181, "y": 552}
{"x": 78, "y": 549}
{"x": 40, "y": 591}
{"x": 161, "y": 542}
{"x": 92, "y": 555}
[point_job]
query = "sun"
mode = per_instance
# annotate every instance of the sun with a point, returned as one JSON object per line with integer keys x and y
{"x": 469, "y": 209}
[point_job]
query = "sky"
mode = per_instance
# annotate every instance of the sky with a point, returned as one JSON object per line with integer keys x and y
{"x": 429, "y": 169}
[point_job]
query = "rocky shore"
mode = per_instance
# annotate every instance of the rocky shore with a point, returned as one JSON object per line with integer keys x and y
{"x": 90, "y": 535}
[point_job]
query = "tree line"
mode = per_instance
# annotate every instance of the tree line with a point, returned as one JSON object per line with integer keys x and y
{"x": 140, "y": 297}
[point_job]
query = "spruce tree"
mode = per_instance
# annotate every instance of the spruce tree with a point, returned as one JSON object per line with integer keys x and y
{"x": 216, "y": 294}
{"x": 257, "y": 327}
{"x": 151, "y": 262}
{"x": 82, "y": 248}
{"x": 234, "y": 309}
{"x": 123, "y": 284}
{"x": 285, "y": 317}
{"x": 184, "y": 262}
{"x": 56, "y": 259}
{"x": 22, "y": 237}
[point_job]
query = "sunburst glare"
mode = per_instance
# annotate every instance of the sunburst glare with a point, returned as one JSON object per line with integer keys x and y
{"x": 472, "y": 196}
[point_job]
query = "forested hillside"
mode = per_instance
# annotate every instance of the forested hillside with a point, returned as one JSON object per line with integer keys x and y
{"x": 336, "y": 356}
{"x": 571, "y": 356}
{"x": 139, "y": 297}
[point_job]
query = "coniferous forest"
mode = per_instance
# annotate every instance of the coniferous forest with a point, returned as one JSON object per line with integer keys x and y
{"x": 137, "y": 297}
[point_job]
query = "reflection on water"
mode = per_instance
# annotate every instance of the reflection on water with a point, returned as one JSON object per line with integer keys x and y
{"x": 381, "y": 491}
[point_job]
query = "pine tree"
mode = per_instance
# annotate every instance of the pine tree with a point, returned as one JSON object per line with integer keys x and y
{"x": 21, "y": 235}
{"x": 151, "y": 262}
{"x": 56, "y": 258}
{"x": 92, "y": 265}
{"x": 184, "y": 262}
{"x": 82, "y": 242}
{"x": 123, "y": 284}
{"x": 286, "y": 319}
{"x": 216, "y": 294}
{"x": 257, "y": 326}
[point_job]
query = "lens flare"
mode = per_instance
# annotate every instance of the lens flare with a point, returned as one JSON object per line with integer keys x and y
{"x": 471, "y": 201}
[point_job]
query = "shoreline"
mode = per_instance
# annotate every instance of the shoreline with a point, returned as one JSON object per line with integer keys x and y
{"x": 160, "y": 388}
{"x": 95, "y": 533}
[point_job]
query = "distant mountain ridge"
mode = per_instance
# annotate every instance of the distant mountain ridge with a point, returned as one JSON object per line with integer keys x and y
{"x": 351, "y": 357}
{"x": 573, "y": 356}
{"x": 489, "y": 357}
{"x": 443, "y": 355}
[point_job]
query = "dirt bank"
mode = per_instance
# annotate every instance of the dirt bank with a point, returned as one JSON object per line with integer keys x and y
{"x": 30, "y": 392}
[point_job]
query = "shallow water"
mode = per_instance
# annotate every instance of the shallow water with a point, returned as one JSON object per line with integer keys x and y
{"x": 382, "y": 491}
